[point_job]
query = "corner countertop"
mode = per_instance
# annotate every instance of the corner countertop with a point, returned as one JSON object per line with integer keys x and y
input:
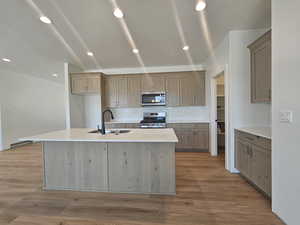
{"x": 265, "y": 132}
{"x": 83, "y": 135}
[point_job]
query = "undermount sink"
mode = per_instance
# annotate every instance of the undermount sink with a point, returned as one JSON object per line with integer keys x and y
{"x": 116, "y": 132}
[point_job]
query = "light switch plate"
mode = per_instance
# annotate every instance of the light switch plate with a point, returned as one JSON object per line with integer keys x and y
{"x": 286, "y": 116}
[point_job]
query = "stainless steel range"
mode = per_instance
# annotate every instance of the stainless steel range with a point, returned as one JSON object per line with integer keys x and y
{"x": 154, "y": 120}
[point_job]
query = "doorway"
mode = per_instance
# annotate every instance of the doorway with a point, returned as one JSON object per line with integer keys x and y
{"x": 220, "y": 115}
{"x": 220, "y": 128}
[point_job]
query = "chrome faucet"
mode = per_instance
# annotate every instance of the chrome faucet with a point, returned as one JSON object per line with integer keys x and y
{"x": 103, "y": 122}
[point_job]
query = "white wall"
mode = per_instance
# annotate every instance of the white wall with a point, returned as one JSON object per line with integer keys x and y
{"x": 74, "y": 104}
{"x": 29, "y": 106}
{"x": 285, "y": 86}
{"x": 240, "y": 112}
{"x": 92, "y": 111}
{"x": 1, "y": 132}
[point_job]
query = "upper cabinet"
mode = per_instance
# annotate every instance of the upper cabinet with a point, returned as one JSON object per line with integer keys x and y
{"x": 186, "y": 89}
{"x": 261, "y": 69}
{"x": 85, "y": 83}
{"x": 182, "y": 89}
{"x": 153, "y": 83}
{"x": 122, "y": 91}
{"x": 134, "y": 89}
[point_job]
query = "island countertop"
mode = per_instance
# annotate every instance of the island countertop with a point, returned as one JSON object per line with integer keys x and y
{"x": 83, "y": 135}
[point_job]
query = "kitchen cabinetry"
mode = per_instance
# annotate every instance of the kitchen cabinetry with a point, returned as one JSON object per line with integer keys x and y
{"x": 261, "y": 52}
{"x": 134, "y": 87}
{"x": 122, "y": 91}
{"x": 186, "y": 89}
{"x": 253, "y": 159}
{"x": 153, "y": 83}
{"x": 110, "y": 93}
{"x": 182, "y": 88}
{"x": 122, "y": 125}
{"x": 85, "y": 83}
{"x": 191, "y": 135}
{"x": 173, "y": 86}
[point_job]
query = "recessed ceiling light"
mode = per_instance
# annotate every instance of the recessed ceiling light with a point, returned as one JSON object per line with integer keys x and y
{"x": 6, "y": 60}
{"x": 186, "y": 48}
{"x": 201, "y": 5}
{"x": 135, "y": 51}
{"x": 45, "y": 19}
{"x": 90, "y": 54}
{"x": 118, "y": 13}
{"x": 55, "y": 75}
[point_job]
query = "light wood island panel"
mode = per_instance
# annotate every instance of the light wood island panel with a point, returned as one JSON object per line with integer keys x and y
{"x": 110, "y": 167}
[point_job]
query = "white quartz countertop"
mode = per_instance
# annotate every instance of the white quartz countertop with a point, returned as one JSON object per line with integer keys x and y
{"x": 265, "y": 132}
{"x": 83, "y": 135}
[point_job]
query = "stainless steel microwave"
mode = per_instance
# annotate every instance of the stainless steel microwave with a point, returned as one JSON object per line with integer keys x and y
{"x": 153, "y": 98}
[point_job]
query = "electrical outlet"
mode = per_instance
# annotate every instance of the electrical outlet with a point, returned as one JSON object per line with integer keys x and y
{"x": 286, "y": 116}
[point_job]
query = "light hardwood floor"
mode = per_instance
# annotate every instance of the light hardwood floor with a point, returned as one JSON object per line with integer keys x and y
{"x": 206, "y": 195}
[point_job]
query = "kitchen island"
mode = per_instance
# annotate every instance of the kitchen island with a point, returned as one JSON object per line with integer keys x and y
{"x": 139, "y": 161}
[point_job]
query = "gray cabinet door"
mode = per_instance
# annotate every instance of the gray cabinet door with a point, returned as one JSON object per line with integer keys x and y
{"x": 261, "y": 73}
{"x": 173, "y": 90}
{"x": 242, "y": 157}
{"x": 199, "y": 78}
{"x": 141, "y": 167}
{"x": 269, "y": 174}
{"x": 253, "y": 160}
{"x": 153, "y": 83}
{"x": 122, "y": 91}
{"x": 134, "y": 91}
{"x": 258, "y": 166}
{"x": 111, "y": 95}
{"x": 75, "y": 166}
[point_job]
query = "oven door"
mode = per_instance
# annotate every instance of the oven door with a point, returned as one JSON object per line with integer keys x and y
{"x": 153, "y": 98}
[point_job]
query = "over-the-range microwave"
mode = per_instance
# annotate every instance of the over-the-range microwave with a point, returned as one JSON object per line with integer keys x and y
{"x": 153, "y": 99}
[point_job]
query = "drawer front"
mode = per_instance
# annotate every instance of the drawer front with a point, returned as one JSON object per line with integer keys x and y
{"x": 255, "y": 140}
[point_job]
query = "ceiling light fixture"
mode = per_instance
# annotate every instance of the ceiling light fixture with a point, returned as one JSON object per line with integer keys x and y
{"x": 135, "y": 51}
{"x": 6, "y": 60}
{"x": 90, "y": 54}
{"x": 186, "y": 48}
{"x": 55, "y": 75}
{"x": 118, "y": 13}
{"x": 201, "y": 5}
{"x": 45, "y": 19}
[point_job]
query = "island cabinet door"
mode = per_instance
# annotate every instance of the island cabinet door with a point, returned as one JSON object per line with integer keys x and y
{"x": 75, "y": 166}
{"x": 141, "y": 167}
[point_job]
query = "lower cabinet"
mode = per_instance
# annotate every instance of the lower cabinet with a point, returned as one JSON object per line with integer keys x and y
{"x": 141, "y": 167}
{"x": 122, "y": 125}
{"x": 75, "y": 166}
{"x": 253, "y": 160}
{"x": 191, "y": 135}
{"x": 194, "y": 136}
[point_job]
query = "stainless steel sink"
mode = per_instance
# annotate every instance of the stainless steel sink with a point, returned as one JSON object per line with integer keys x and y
{"x": 116, "y": 132}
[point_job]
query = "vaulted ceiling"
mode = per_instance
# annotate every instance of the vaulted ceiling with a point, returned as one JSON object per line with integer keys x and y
{"x": 158, "y": 28}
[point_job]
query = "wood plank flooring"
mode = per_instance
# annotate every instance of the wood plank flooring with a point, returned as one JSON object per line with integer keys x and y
{"x": 206, "y": 195}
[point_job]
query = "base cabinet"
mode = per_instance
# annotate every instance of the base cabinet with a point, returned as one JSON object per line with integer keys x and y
{"x": 253, "y": 160}
{"x": 194, "y": 136}
{"x": 141, "y": 168}
{"x": 75, "y": 166}
{"x": 146, "y": 168}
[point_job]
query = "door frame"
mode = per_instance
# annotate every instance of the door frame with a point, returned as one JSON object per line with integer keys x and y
{"x": 213, "y": 109}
